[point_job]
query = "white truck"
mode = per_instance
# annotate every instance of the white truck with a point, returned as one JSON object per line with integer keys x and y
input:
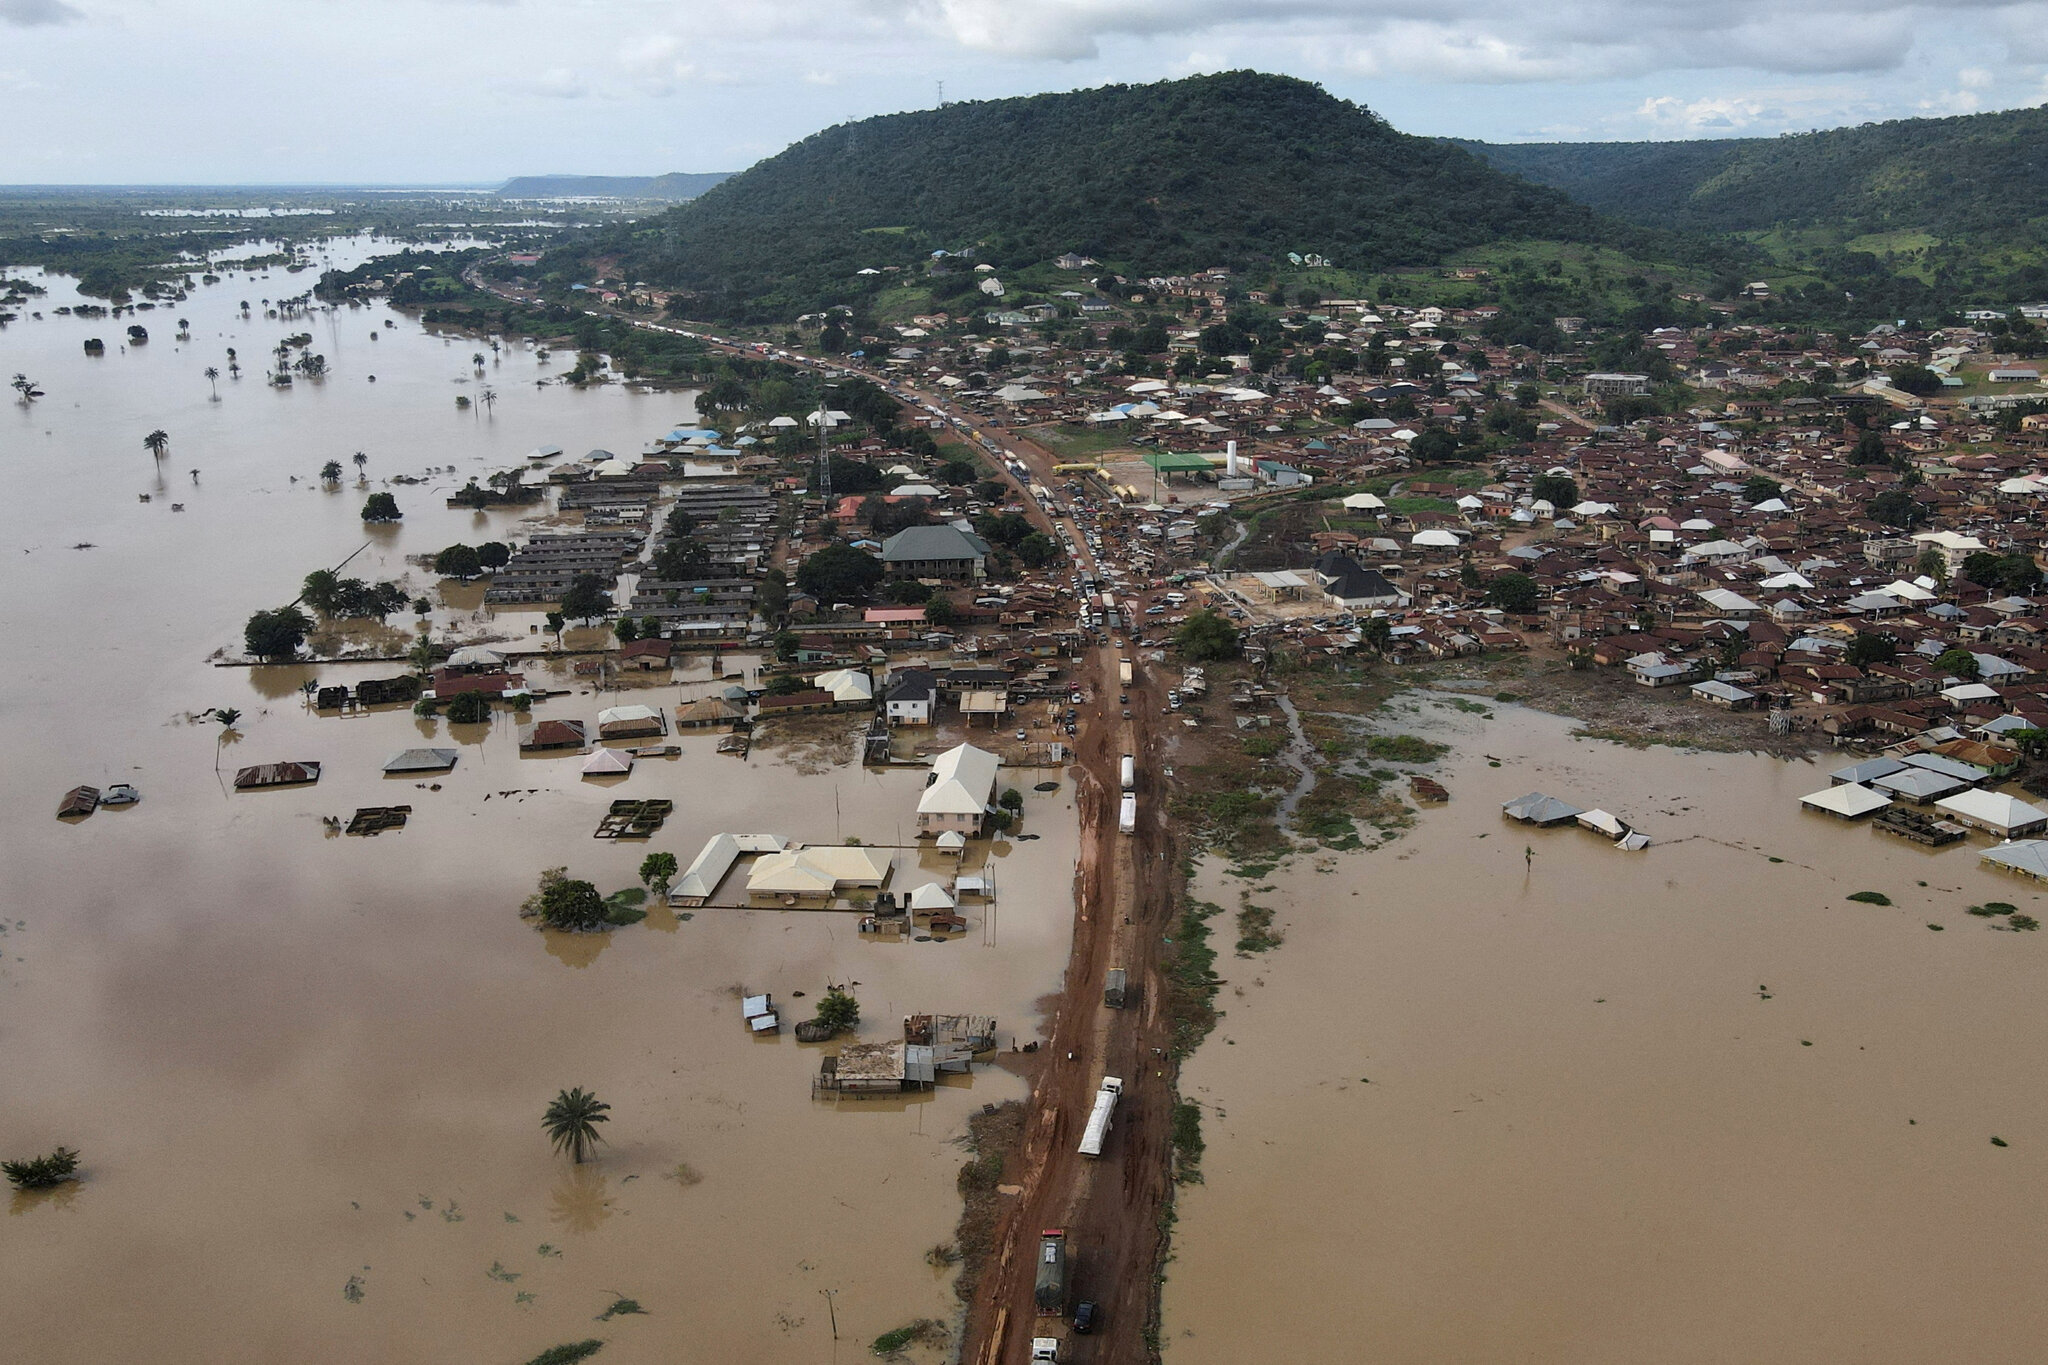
{"x": 1097, "y": 1131}
{"x": 1123, "y": 671}
{"x": 1045, "y": 1349}
{"x": 1127, "y": 814}
{"x": 1130, "y": 772}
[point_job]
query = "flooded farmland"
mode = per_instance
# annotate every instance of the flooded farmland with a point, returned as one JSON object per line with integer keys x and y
{"x": 1507, "y": 1093}
{"x": 306, "y": 1071}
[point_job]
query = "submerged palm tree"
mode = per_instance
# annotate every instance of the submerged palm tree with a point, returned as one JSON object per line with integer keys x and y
{"x": 228, "y": 717}
{"x": 157, "y": 442}
{"x": 213, "y": 378}
{"x": 571, "y": 1121}
{"x": 362, "y": 457}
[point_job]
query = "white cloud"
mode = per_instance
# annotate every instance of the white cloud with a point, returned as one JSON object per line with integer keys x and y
{"x": 1488, "y": 40}
{"x": 31, "y": 13}
{"x": 559, "y": 83}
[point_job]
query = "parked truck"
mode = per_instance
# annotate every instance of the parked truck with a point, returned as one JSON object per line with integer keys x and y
{"x": 1113, "y": 986}
{"x": 1045, "y": 1349}
{"x": 1130, "y": 772}
{"x": 1123, "y": 671}
{"x": 1127, "y": 814}
{"x": 1099, "y": 1120}
{"x": 1052, "y": 1270}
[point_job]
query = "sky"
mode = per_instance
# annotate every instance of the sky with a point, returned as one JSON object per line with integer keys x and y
{"x": 473, "y": 91}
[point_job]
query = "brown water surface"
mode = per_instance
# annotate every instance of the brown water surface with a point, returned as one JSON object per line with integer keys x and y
{"x": 1508, "y": 1094}
{"x": 307, "y": 1071}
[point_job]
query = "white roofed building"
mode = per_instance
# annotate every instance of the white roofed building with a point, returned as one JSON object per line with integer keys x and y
{"x": 957, "y": 797}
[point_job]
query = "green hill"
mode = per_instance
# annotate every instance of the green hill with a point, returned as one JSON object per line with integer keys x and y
{"x": 1980, "y": 177}
{"x": 676, "y": 185}
{"x": 1182, "y": 175}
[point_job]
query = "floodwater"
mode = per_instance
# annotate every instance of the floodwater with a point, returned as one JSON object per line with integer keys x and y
{"x": 1513, "y": 1094}
{"x": 306, "y": 1071}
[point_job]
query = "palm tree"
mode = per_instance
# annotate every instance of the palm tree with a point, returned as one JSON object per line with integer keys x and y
{"x": 157, "y": 442}
{"x": 331, "y": 472}
{"x": 213, "y": 378}
{"x": 228, "y": 716}
{"x": 487, "y": 396}
{"x": 362, "y": 458}
{"x": 477, "y": 359}
{"x": 571, "y": 1121}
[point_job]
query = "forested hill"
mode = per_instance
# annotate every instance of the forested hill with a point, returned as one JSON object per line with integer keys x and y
{"x": 1980, "y": 176}
{"x": 1176, "y": 176}
{"x": 676, "y": 185}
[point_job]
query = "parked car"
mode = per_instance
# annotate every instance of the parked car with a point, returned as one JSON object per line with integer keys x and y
{"x": 1085, "y": 1314}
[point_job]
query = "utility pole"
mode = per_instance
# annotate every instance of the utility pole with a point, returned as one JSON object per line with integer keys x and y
{"x": 833, "y": 1310}
{"x": 824, "y": 454}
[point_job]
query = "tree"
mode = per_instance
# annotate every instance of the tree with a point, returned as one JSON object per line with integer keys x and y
{"x": 682, "y": 559}
{"x": 1870, "y": 647}
{"x": 1897, "y": 507}
{"x": 276, "y": 634}
{"x": 1933, "y": 564}
{"x": 1870, "y": 449}
{"x": 458, "y": 561}
{"x": 469, "y": 708}
{"x": 626, "y": 629}
{"x": 940, "y": 611}
{"x": 1038, "y": 550}
{"x": 1011, "y": 799}
{"x": 381, "y": 507}
{"x": 571, "y": 1121}
{"x": 331, "y": 472}
{"x": 853, "y": 476}
{"x": 958, "y": 472}
{"x": 838, "y": 1011}
{"x": 1435, "y": 446}
{"x": 228, "y": 717}
{"x": 1514, "y": 592}
{"x": 321, "y": 591}
{"x": 586, "y": 599}
{"x": 1917, "y": 380}
{"x": 658, "y": 869}
{"x": 42, "y": 1172}
{"x": 886, "y": 518}
{"x": 1205, "y": 635}
{"x": 157, "y": 443}
{"x": 361, "y": 458}
{"x": 1960, "y": 663}
{"x": 555, "y": 623}
{"x": 213, "y": 379}
{"x": 566, "y": 903}
{"x": 839, "y": 573}
{"x": 1008, "y": 529}
{"x": 26, "y": 388}
{"x": 1760, "y": 489}
{"x": 1556, "y": 489}
{"x": 1376, "y": 632}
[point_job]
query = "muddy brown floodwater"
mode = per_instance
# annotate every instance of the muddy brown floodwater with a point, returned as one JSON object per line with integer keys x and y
{"x": 306, "y": 1071}
{"x": 1575, "y": 1104}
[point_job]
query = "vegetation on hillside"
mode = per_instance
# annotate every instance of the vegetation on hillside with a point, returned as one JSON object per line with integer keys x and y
{"x": 1175, "y": 176}
{"x": 1927, "y": 212}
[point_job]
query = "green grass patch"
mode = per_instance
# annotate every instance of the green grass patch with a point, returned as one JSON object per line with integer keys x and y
{"x": 1404, "y": 749}
{"x": 569, "y": 1354}
{"x": 891, "y": 1342}
{"x": 1187, "y": 1142}
{"x": 1255, "y": 932}
{"x": 1191, "y": 980}
{"x": 1870, "y": 897}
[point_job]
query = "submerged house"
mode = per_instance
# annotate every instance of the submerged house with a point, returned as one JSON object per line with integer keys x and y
{"x": 814, "y": 876}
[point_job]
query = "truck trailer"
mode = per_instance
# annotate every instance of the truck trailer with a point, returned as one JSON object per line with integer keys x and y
{"x": 1130, "y": 772}
{"x": 1127, "y": 814}
{"x": 1113, "y": 988}
{"x": 1123, "y": 671}
{"x": 1051, "y": 1288}
{"x": 1097, "y": 1131}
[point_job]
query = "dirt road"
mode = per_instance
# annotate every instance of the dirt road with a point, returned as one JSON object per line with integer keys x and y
{"x": 1109, "y": 1206}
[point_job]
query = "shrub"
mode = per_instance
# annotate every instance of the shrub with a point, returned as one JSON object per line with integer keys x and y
{"x": 838, "y": 1011}
{"x": 1871, "y": 897}
{"x": 42, "y": 1172}
{"x": 469, "y": 708}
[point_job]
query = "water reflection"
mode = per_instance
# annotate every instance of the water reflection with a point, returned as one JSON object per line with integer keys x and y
{"x": 576, "y": 950}
{"x": 582, "y": 1201}
{"x": 62, "y": 1197}
{"x": 278, "y": 682}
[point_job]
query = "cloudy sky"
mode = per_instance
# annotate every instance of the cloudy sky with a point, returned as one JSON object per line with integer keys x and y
{"x": 447, "y": 91}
